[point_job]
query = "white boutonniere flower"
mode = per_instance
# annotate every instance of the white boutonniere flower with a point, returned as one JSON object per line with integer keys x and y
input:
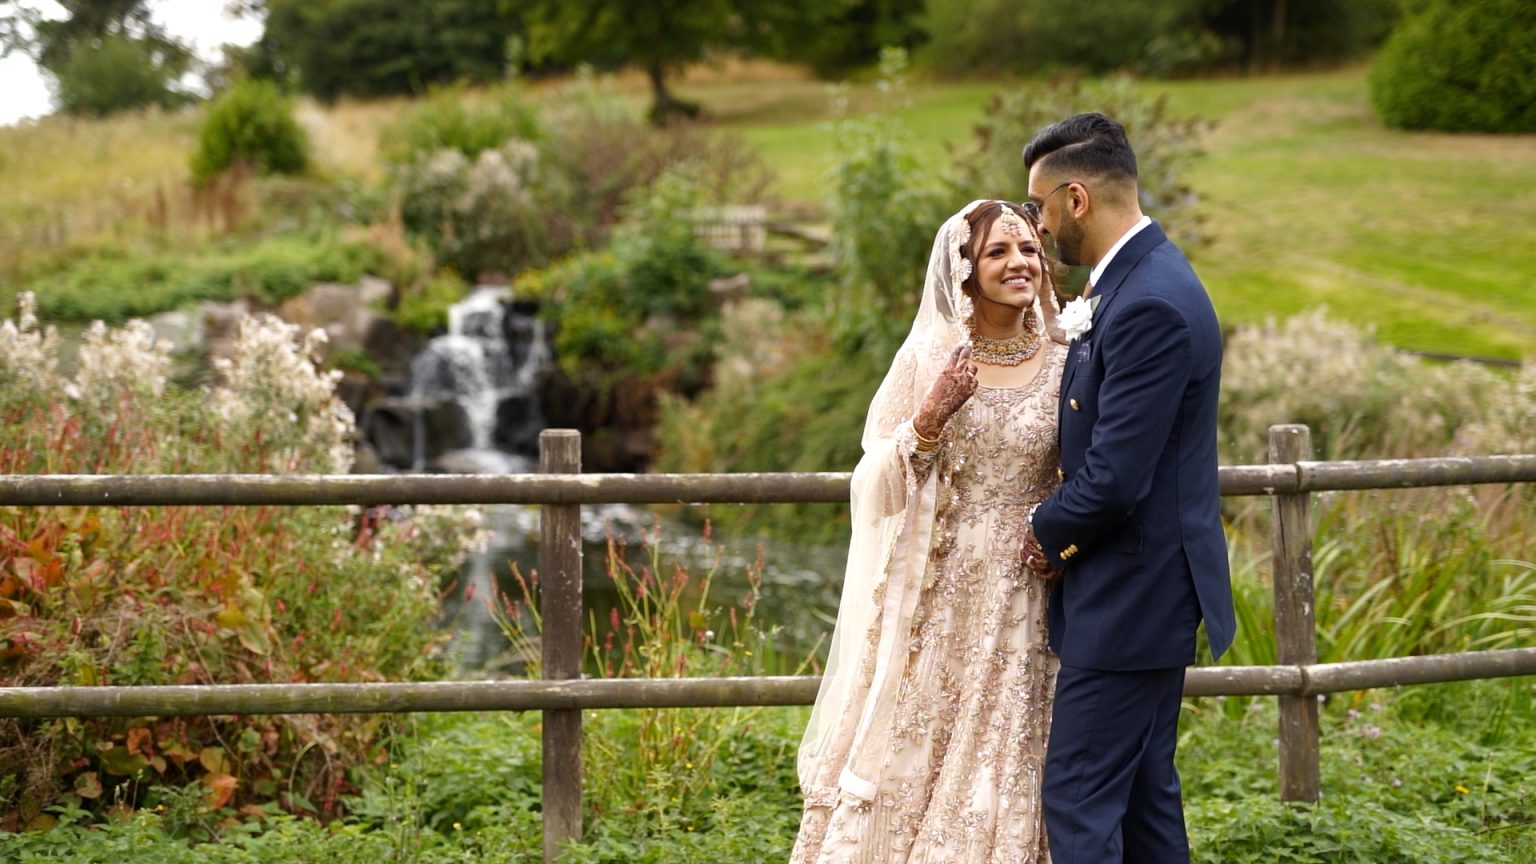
{"x": 1077, "y": 316}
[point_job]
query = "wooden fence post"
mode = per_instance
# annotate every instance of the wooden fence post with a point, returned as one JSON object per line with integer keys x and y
{"x": 1295, "y": 617}
{"x": 560, "y": 605}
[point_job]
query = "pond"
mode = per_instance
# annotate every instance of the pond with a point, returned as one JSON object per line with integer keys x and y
{"x": 798, "y": 586}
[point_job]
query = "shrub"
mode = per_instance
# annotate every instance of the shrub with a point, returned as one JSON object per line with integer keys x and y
{"x": 636, "y": 308}
{"x": 1460, "y": 67}
{"x": 114, "y": 289}
{"x": 886, "y": 206}
{"x": 449, "y": 120}
{"x": 484, "y": 214}
{"x": 197, "y": 595}
{"x": 1360, "y": 398}
{"x": 1174, "y": 37}
{"x": 606, "y": 154}
{"x": 424, "y": 305}
{"x": 251, "y": 125}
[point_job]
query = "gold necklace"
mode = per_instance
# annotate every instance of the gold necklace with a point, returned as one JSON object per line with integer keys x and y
{"x": 1005, "y": 352}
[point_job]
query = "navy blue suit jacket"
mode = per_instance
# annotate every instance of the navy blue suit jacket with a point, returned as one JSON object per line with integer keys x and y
{"x": 1135, "y": 528}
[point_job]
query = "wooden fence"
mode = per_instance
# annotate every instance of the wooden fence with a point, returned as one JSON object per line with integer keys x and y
{"x": 1289, "y": 479}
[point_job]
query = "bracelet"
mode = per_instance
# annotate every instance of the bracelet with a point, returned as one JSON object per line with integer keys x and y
{"x": 923, "y": 444}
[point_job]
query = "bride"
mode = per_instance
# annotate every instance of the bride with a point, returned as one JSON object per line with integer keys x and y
{"x": 928, "y": 736}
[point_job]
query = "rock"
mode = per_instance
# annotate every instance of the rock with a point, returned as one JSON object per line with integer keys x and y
{"x": 180, "y": 329}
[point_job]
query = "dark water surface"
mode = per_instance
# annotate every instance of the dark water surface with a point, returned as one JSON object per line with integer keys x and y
{"x": 797, "y": 600}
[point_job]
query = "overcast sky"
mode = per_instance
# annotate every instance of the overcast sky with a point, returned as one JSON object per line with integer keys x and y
{"x": 203, "y": 23}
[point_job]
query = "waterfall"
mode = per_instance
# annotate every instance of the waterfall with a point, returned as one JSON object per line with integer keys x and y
{"x": 476, "y": 387}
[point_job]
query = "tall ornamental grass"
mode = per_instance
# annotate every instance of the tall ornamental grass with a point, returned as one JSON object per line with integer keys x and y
{"x": 196, "y": 595}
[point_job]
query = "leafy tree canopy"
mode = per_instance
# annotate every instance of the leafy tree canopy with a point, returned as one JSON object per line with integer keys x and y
{"x": 104, "y": 55}
{"x": 335, "y": 48}
{"x": 660, "y": 36}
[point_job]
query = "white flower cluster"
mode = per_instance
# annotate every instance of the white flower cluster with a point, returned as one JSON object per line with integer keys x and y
{"x": 115, "y": 363}
{"x": 29, "y": 356}
{"x": 274, "y": 386}
{"x": 1362, "y": 399}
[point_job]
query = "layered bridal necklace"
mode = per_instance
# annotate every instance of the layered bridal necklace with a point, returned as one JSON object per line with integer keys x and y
{"x": 1010, "y": 351}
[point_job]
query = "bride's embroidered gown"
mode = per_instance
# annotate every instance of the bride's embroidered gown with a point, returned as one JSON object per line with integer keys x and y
{"x": 959, "y": 745}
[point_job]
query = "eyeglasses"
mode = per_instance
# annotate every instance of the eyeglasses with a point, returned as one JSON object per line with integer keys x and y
{"x": 1032, "y": 209}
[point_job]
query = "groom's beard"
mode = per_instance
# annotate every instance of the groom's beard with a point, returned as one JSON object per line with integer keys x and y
{"x": 1069, "y": 241}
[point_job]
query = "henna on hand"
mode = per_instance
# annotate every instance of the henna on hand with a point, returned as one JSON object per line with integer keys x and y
{"x": 1034, "y": 557}
{"x": 954, "y": 385}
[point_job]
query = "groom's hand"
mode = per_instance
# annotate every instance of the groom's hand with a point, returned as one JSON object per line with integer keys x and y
{"x": 1035, "y": 559}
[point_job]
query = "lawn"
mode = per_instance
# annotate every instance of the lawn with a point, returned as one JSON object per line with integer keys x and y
{"x": 1307, "y": 198}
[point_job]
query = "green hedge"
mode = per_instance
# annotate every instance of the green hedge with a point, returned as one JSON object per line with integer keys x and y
{"x": 1460, "y": 66}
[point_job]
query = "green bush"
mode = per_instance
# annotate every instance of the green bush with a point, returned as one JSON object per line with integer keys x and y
{"x": 1169, "y": 38}
{"x": 1458, "y": 66}
{"x": 424, "y": 305}
{"x": 252, "y": 125}
{"x": 448, "y": 120}
{"x": 118, "y": 288}
{"x": 640, "y": 307}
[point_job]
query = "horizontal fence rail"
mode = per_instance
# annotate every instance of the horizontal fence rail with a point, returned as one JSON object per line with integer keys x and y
{"x": 171, "y": 490}
{"x": 583, "y": 694}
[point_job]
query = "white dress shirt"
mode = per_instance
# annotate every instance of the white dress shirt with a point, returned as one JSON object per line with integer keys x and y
{"x": 1099, "y": 268}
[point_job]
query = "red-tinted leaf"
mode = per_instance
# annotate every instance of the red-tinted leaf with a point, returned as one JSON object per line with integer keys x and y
{"x": 221, "y": 788}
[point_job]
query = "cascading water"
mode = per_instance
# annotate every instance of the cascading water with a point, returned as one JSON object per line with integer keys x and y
{"x": 484, "y": 373}
{"x": 474, "y": 406}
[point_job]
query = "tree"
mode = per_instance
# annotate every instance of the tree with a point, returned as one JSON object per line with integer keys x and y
{"x": 334, "y": 48}
{"x": 659, "y": 36}
{"x": 118, "y": 73}
{"x": 844, "y": 35}
{"x": 104, "y": 55}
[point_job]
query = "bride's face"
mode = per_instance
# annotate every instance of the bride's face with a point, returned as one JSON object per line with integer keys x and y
{"x": 1008, "y": 266}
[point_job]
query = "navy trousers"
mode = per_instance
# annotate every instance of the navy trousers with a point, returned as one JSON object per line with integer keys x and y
{"x": 1111, "y": 791}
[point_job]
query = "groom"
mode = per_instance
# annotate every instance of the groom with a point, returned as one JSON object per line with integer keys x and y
{"x": 1134, "y": 533}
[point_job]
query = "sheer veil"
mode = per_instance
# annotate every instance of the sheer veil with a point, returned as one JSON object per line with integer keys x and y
{"x": 893, "y": 501}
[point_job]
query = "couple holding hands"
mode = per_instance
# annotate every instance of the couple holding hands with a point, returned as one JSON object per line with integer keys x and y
{"x": 1036, "y": 538}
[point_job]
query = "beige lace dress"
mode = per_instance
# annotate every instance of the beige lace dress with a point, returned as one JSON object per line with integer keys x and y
{"x": 947, "y": 765}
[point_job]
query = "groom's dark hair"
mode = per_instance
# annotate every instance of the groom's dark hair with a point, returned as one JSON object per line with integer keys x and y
{"x": 1088, "y": 144}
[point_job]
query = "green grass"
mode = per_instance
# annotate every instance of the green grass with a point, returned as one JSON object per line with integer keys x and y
{"x": 1307, "y": 198}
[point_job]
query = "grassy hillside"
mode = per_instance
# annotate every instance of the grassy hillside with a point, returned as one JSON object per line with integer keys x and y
{"x": 1308, "y": 199}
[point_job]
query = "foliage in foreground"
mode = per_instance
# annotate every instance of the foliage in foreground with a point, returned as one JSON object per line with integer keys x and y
{"x": 1419, "y": 776}
{"x": 195, "y": 595}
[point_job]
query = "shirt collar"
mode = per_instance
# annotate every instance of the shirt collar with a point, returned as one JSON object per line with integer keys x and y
{"x": 1099, "y": 268}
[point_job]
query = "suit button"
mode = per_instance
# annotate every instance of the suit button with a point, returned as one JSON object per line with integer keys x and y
{"x": 1075, "y": 406}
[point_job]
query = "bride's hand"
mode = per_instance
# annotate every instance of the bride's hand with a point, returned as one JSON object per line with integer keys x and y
{"x": 1050, "y": 311}
{"x": 954, "y": 385}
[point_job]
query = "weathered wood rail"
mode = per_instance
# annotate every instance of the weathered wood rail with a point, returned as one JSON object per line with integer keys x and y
{"x": 1289, "y": 480}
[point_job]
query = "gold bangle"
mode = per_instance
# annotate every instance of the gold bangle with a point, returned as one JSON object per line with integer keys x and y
{"x": 921, "y": 440}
